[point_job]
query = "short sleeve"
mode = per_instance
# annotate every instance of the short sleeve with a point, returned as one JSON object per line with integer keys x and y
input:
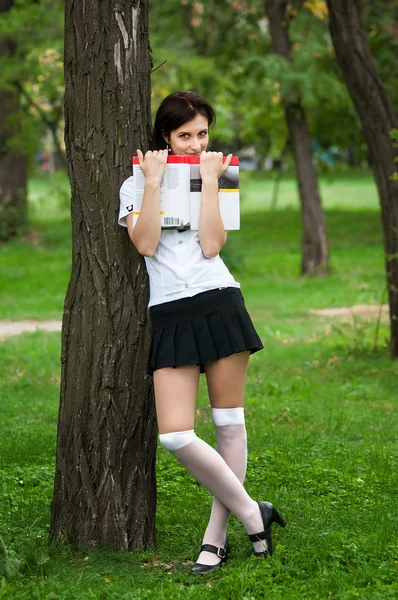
{"x": 127, "y": 197}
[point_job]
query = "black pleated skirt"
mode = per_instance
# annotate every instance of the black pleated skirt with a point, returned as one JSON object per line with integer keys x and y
{"x": 201, "y": 329}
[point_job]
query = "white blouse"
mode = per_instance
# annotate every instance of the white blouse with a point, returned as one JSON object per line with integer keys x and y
{"x": 178, "y": 269}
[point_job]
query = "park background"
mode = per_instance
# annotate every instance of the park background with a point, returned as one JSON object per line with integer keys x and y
{"x": 322, "y": 396}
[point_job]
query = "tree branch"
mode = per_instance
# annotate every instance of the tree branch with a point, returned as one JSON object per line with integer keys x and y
{"x": 41, "y": 112}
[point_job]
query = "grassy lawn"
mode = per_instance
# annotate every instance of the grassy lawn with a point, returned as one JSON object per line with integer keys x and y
{"x": 321, "y": 409}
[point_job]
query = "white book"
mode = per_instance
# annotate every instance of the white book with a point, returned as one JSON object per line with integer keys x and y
{"x": 180, "y": 193}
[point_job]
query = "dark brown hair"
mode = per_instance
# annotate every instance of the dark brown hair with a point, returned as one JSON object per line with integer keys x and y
{"x": 175, "y": 110}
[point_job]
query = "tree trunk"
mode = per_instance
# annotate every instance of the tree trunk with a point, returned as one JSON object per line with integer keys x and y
{"x": 374, "y": 109}
{"x": 315, "y": 246}
{"x": 59, "y": 156}
{"x": 105, "y": 491}
{"x": 13, "y": 166}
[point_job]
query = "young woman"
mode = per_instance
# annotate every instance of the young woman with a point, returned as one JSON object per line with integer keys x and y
{"x": 199, "y": 324}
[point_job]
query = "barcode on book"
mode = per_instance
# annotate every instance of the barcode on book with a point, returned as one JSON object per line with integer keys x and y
{"x": 171, "y": 220}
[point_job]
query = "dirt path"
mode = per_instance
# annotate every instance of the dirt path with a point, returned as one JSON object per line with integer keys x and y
{"x": 10, "y": 328}
{"x": 362, "y": 310}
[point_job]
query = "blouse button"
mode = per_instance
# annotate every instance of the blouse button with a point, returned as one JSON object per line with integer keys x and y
{"x": 180, "y": 241}
{"x": 181, "y": 262}
{"x": 186, "y": 285}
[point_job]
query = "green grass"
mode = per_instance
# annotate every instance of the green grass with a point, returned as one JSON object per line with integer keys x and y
{"x": 321, "y": 407}
{"x": 343, "y": 191}
{"x": 35, "y": 268}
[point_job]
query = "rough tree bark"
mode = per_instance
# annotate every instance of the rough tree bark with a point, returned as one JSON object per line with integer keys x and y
{"x": 105, "y": 492}
{"x": 377, "y": 117}
{"x": 13, "y": 165}
{"x": 315, "y": 246}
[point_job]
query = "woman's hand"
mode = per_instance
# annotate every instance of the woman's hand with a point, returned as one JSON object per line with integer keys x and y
{"x": 212, "y": 166}
{"x": 153, "y": 164}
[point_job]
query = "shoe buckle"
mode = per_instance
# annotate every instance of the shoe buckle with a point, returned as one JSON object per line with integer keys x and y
{"x": 221, "y": 552}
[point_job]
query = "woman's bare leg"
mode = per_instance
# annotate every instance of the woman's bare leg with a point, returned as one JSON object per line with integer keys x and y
{"x": 175, "y": 396}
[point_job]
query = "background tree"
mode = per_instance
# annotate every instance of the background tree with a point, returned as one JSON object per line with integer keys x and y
{"x": 315, "y": 245}
{"x": 13, "y": 162}
{"x": 105, "y": 482}
{"x": 378, "y": 119}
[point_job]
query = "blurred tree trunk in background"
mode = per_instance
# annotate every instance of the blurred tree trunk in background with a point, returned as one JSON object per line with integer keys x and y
{"x": 315, "y": 246}
{"x": 13, "y": 165}
{"x": 105, "y": 491}
{"x": 374, "y": 109}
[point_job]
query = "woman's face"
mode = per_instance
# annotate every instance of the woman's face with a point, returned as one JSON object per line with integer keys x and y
{"x": 191, "y": 138}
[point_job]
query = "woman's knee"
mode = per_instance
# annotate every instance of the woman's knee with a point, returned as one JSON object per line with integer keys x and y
{"x": 223, "y": 417}
{"x": 177, "y": 439}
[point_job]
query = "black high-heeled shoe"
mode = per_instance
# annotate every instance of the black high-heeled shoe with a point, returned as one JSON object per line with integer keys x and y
{"x": 223, "y": 553}
{"x": 269, "y": 515}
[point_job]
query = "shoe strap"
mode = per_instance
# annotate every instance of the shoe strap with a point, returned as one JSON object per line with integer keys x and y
{"x": 221, "y": 552}
{"x": 256, "y": 537}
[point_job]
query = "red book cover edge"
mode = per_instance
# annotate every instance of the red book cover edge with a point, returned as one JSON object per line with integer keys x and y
{"x": 192, "y": 160}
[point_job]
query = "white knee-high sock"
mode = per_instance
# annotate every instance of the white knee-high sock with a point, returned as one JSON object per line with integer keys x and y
{"x": 229, "y": 424}
{"x": 210, "y": 469}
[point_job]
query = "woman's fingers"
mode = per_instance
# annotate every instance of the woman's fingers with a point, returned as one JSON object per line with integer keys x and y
{"x": 228, "y": 160}
{"x": 212, "y": 162}
{"x": 151, "y": 153}
{"x": 153, "y": 163}
{"x": 226, "y": 163}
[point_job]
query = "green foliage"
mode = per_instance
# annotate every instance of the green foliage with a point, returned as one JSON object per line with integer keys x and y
{"x": 11, "y": 219}
{"x": 35, "y": 68}
{"x": 25, "y": 133}
{"x": 246, "y": 82}
{"x": 223, "y": 34}
{"x": 10, "y": 564}
{"x": 222, "y": 49}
